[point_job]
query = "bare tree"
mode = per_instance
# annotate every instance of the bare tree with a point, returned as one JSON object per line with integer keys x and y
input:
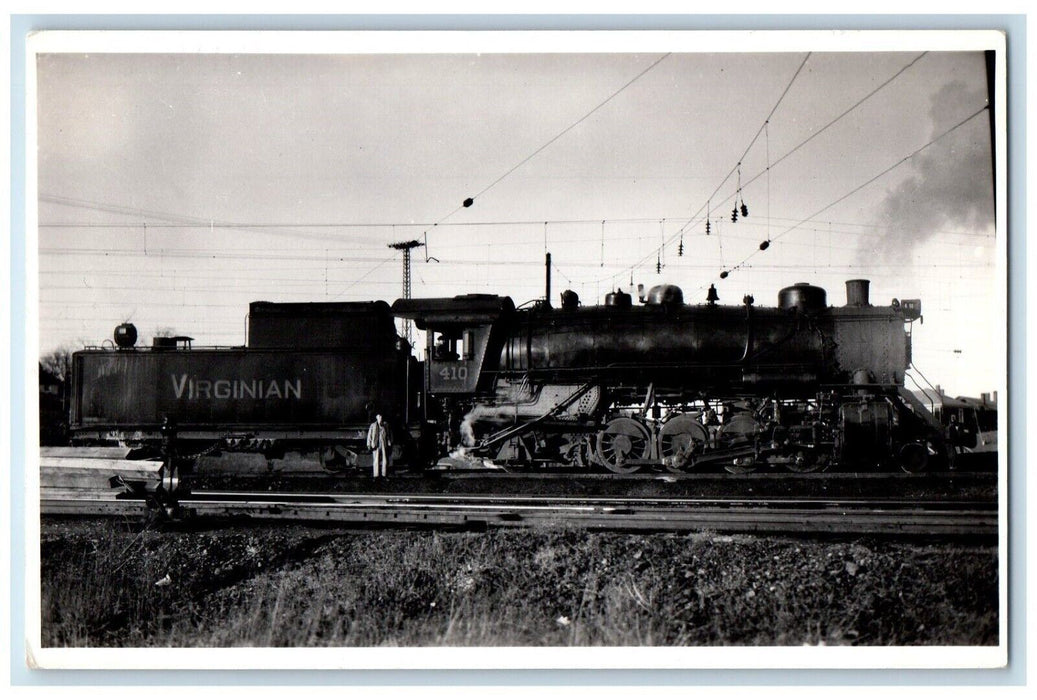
{"x": 54, "y": 401}
{"x": 59, "y": 362}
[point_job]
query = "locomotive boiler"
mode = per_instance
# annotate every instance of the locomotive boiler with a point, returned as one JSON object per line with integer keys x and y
{"x": 662, "y": 383}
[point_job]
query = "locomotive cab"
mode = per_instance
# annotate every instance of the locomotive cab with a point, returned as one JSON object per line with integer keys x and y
{"x": 463, "y": 339}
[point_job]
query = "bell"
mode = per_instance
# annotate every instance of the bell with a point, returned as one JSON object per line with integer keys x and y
{"x": 707, "y": 227}
{"x": 734, "y": 215}
{"x": 745, "y": 210}
{"x": 711, "y": 296}
{"x": 680, "y": 250}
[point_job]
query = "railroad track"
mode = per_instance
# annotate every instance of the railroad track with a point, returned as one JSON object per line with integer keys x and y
{"x": 786, "y": 515}
{"x": 101, "y": 482}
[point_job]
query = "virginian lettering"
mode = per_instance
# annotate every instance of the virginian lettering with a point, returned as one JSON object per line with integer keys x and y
{"x": 193, "y": 388}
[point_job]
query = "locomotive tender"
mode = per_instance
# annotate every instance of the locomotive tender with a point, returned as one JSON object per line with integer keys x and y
{"x": 620, "y": 386}
{"x": 308, "y": 380}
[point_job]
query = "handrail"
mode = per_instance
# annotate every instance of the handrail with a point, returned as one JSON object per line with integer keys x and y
{"x": 937, "y": 391}
{"x": 932, "y": 404}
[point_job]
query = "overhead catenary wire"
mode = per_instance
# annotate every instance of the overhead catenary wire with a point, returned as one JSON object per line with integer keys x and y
{"x": 102, "y": 282}
{"x": 802, "y": 143}
{"x": 209, "y": 223}
{"x": 247, "y": 284}
{"x": 144, "y": 218}
{"x": 815, "y": 134}
{"x": 573, "y": 264}
{"x": 767, "y": 141}
{"x": 469, "y": 201}
{"x": 868, "y": 182}
{"x": 572, "y": 126}
{"x": 363, "y": 277}
{"x": 893, "y": 270}
{"x": 280, "y": 258}
{"x": 694, "y": 217}
{"x": 379, "y": 245}
{"x": 58, "y": 298}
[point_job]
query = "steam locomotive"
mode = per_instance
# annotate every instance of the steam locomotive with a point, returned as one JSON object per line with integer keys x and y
{"x": 622, "y": 387}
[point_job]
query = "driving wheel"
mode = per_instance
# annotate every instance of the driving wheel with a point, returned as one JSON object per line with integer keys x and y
{"x": 681, "y": 440}
{"x": 622, "y": 440}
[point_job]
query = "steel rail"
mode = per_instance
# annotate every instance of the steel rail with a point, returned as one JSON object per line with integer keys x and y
{"x": 668, "y": 477}
{"x": 798, "y": 516}
{"x": 734, "y": 518}
{"x": 129, "y": 507}
{"x": 573, "y": 501}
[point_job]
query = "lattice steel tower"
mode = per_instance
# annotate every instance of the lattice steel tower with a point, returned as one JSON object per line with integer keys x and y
{"x": 406, "y": 247}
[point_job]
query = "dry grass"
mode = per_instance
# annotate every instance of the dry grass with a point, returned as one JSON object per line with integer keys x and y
{"x": 297, "y": 586}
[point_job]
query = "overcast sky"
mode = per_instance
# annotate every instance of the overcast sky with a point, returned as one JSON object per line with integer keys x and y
{"x": 176, "y": 188}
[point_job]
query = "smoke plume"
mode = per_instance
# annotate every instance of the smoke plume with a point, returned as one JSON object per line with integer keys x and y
{"x": 951, "y": 185}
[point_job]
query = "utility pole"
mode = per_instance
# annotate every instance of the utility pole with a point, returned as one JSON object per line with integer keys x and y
{"x": 406, "y": 247}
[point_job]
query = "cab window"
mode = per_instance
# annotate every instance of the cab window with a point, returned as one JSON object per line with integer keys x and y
{"x": 445, "y": 348}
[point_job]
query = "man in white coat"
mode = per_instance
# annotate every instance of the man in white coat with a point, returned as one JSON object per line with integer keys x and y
{"x": 379, "y": 441}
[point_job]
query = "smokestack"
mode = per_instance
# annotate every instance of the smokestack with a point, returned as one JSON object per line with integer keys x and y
{"x": 547, "y": 274}
{"x": 857, "y": 292}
